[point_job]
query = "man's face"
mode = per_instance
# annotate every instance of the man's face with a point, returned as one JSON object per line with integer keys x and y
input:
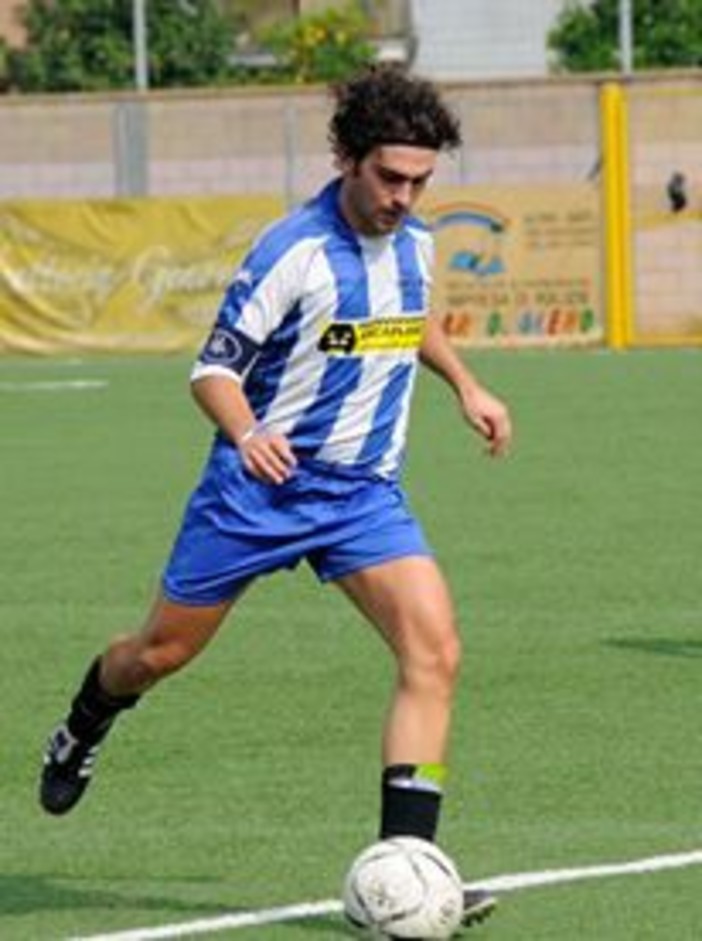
{"x": 378, "y": 191}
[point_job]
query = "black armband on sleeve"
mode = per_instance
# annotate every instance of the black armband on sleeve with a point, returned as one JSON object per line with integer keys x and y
{"x": 229, "y": 348}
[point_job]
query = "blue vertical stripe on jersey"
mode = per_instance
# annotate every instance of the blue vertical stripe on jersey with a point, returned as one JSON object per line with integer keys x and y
{"x": 411, "y": 282}
{"x": 345, "y": 261}
{"x": 386, "y": 415}
{"x": 262, "y": 383}
{"x": 341, "y": 377}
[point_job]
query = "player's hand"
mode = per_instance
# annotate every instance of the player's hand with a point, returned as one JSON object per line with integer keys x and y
{"x": 267, "y": 456}
{"x": 490, "y": 418}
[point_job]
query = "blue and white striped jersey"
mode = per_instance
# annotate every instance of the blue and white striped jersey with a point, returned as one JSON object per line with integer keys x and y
{"x": 323, "y": 327}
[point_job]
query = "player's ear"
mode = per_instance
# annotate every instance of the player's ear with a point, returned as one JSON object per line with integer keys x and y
{"x": 348, "y": 166}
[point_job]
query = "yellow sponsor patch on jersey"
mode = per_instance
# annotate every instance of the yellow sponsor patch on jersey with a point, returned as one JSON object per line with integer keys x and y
{"x": 361, "y": 337}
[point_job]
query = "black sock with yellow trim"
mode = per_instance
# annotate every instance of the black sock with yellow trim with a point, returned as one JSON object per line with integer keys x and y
{"x": 411, "y": 800}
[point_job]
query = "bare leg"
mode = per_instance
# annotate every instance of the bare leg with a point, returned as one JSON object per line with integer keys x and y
{"x": 171, "y": 637}
{"x": 408, "y": 601}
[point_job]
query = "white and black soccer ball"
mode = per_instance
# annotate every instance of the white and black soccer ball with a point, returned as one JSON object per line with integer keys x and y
{"x": 406, "y": 888}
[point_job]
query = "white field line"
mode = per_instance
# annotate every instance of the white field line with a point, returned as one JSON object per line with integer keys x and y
{"x": 53, "y": 385}
{"x": 637, "y": 867}
{"x": 506, "y": 883}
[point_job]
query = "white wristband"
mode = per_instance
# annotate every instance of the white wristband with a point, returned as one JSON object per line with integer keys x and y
{"x": 248, "y": 435}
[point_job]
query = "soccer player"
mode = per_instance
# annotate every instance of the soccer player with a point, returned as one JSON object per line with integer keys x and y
{"x": 307, "y": 376}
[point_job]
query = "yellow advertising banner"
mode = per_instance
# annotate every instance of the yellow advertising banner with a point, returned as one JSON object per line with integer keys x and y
{"x": 515, "y": 266}
{"x": 120, "y": 275}
{"x": 518, "y": 265}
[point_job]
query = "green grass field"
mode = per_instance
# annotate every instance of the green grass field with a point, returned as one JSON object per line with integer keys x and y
{"x": 249, "y": 780}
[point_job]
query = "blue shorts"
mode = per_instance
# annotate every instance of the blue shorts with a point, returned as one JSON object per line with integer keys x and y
{"x": 235, "y": 528}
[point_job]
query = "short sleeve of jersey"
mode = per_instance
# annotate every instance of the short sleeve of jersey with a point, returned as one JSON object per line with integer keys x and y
{"x": 265, "y": 288}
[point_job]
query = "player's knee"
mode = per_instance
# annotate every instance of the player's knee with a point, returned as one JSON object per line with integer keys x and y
{"x": 136, "y": 664}
{"x": 435, "y": 667}
{"x": 448, "y": 660}
{"x": 159, "y": 661}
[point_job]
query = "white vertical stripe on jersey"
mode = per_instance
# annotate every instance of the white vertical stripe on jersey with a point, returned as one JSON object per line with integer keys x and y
{"x": 299, "y": 387}
{"x": 383, "y": 276}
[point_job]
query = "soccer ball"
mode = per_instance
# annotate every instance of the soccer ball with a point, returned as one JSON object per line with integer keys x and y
{"x": 404, "y": 887}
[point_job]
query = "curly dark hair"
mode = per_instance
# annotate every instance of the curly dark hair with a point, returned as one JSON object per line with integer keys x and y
{"x": 384, "y": 104}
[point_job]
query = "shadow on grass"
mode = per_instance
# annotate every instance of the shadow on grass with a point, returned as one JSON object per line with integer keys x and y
{"x": 30, "y": 894}
{"x": 33, "y": 894}
{"x": 662, "y": 646}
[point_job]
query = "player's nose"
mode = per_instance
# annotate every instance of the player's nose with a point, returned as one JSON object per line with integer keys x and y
{"x": 403, "y": 196}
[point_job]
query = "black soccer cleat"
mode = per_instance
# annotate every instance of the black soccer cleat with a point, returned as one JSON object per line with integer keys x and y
{"x": 68, "y": 766}
{"x": 477, "y": 906}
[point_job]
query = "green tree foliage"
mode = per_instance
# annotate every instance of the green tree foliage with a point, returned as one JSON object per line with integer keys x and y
{"x": 667, "y": 34}
{"x": 86, "y": 45}
{"x": 321, "y": 47}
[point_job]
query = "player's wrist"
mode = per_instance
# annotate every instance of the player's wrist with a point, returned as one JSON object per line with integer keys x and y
{"x": 247, "y": 435}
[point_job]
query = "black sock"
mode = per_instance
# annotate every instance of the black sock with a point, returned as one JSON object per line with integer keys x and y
{"x": 411, "y": 800}
{"x": 93, "y": 710}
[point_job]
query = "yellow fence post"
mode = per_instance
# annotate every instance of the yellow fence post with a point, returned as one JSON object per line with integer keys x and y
{"x": 617, "y": 212}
